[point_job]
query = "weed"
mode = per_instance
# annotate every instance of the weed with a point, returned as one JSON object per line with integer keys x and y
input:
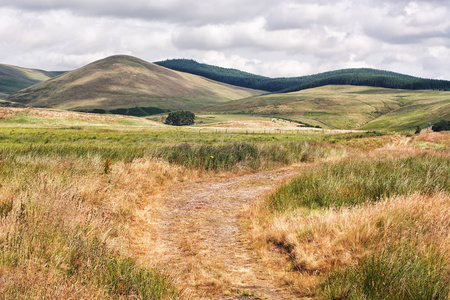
{"x": 107, "y": 164}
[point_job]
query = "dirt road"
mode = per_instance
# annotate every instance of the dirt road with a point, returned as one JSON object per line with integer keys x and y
{"x": 200, "y": 241}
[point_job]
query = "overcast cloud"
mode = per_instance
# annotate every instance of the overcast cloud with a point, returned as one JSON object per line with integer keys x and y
{"x": 272, "y": 38}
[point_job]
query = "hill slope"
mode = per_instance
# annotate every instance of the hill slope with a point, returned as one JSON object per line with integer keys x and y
{"x": 361, "y": 77}
{"x": 14, "y": 79}
{"x": 124, "y": 82}
{"x": 349, "y": 107}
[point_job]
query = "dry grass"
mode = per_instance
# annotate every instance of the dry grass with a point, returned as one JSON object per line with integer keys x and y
{"x": 68, "y": 230}
{"x": 38, "y": 115}
{"x": 315, "y": 250}
{"x": 321, "y": 241}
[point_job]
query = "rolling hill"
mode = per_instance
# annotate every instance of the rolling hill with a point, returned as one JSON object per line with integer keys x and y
{"x": 128, "y": 85}
{"x": 14, "y": 79}
{"x": 348, "y": 107}
{"x": 360, "y": 77}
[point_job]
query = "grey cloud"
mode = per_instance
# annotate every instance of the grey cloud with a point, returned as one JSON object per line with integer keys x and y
{"x": 192, "y": 12}
{"x": 273, "y": 38}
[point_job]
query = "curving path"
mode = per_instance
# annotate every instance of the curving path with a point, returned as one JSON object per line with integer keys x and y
{"x": 200, "y": 241}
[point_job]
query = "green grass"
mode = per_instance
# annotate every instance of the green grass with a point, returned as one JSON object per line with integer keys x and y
{"x": 399, "y": 255}
{"x": 354, "y": 181}
{"x": 398, "y": 274}
{"x": 228, "y": 156}
{"x": 348, "y": 107}
{"x": 186, "y": 148}
{"x": 13, "y": 79}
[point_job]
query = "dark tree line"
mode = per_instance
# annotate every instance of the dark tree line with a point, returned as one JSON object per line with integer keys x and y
{"x": 361, "y": 77}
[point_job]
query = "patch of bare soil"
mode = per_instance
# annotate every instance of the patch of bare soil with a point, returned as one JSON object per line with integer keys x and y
{"x": 198, "y": 238}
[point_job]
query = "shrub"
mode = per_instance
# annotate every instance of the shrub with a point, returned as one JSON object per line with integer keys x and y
{"x": 180, "y": 118}
{"x": 441, "y": 126}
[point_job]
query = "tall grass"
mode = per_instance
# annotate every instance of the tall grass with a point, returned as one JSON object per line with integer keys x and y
{"x": 248, "y": 155}
{"x": 369, "y": 226}
{"x": 205, "y": 151}
{"x": 355, "y": 181}
{"x": 392, "y": 274}
{"x": 64, "y": 229}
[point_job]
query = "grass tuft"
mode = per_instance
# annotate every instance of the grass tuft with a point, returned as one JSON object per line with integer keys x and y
{"x": 392, "y": 274}
{"x": 356, "y": 181}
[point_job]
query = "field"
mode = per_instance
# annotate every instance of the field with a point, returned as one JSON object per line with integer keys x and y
{"x": 101, "y": 206}
{"x": 368, "y": 226}
{"x": 349, "y": 107}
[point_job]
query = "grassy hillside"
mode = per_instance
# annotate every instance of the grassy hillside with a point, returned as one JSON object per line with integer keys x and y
{"x": 124, "y": 82}
{"x": 13, "y": 79}
{"x": 349, "y": 107}
{"x": 360, "y": 77}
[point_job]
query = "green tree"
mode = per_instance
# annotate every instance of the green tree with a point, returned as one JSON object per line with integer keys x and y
{"x": 180, "y": 118}
{"x": 441, "y": 126}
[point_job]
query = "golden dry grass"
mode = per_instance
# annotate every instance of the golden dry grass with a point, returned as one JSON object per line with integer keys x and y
{"x": 316, "y": 243}
{"x": 303, "y": 246}
{"x": 61, "y": 202}
{"x": 47, "y": 115}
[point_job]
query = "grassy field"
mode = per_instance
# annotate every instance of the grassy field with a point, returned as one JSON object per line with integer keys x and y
{"x": 372, "y": 225}
{"x": 349, "y": 107}
{"x": 75, "y": 187}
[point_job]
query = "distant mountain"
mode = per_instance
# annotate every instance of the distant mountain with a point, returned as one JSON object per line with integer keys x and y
{"x": 128, "y": 85}
{"x": 14, "y": 79}
{"x": 348, "y": 107}
{"x": 359, "y": 77}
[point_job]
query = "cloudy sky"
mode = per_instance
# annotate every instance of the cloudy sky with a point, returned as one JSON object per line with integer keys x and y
{"x": 267, "y": 37}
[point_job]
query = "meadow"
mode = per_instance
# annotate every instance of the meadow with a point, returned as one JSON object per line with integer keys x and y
{"x": 73, "y": 186}
{"x": 372, "y": 225}
{"x": 74, "y": 189}
{"x": 349, "y": 107}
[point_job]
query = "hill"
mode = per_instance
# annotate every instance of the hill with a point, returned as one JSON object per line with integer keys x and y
{"x": 128, "y": 85}
{"x": 360, "y": 77}
{"x": 14, "y": 79}
{"x": 348, "y": 107}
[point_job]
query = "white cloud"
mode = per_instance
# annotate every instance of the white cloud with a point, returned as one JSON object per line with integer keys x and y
{"x": 272, "y": 38}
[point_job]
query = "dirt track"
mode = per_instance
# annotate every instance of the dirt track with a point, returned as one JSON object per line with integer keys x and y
{"x": 200, "y": 241}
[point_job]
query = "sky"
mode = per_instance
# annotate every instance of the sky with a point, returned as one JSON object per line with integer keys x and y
{"x": 275, "y": 38}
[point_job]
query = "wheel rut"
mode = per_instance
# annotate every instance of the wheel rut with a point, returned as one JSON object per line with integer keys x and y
{"x": 200, "y": 241}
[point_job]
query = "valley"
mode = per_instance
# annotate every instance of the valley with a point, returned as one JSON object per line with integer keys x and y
{"x": 310, "y": 194}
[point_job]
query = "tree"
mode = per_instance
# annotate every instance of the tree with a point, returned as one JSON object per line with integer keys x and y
{"x": 441, "y": 126}
{"x": 180, "y": 118}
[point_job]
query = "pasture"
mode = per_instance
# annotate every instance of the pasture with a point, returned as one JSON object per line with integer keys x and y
{"x": 82, "y": 197}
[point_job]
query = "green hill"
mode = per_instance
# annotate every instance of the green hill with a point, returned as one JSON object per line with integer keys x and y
{"x": 128, "y": 85}
{"x": 348, "y": 107}
{"x": 14, "y": 79}
{"x": 360, "y": 77}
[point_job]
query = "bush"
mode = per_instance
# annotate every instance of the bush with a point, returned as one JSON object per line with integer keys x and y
{"x": 441, "y": 126}
{"x": 180, "y": 118}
